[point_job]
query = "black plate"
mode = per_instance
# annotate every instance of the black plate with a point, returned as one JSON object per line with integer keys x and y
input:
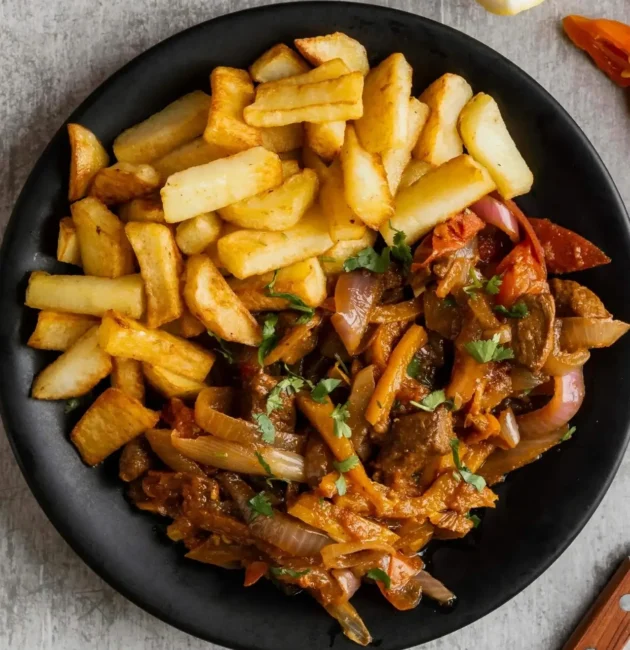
{"x": 542, "y": 507}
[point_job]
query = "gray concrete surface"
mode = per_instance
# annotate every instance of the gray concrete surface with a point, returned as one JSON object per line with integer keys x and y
{"x": 52, "y": 55}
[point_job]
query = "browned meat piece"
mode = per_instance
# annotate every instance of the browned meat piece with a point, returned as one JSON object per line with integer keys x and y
{"x": 134, "y": 460}
{"x": 317, "y": 460}
{"x": 413, "y": 441}
{"x": 429, "y": 359}
{"x": 254, "y": 398}
{"x": 442, "y": 316}
{"x": 532, "y": 336}
{"x": 572, "y": 299}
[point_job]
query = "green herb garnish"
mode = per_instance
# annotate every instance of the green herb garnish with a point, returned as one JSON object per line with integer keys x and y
{"x": 449, "y": 302}
{"x": 269, "y": 337}
{"x": 475, "y": 520}
{"x": 478, "y": 482}
{"x": 222, "y": 349}
{"x": 266, "y": 428}
{"x": 414, "y": 368}
{"x": 493, "y": 285}
{"x": 568, "y": 435}
{"x": 288, "y": 385}
{"x": 263, "y": 463}
{"x": 475, "y": 283}
{"x": 519, "y": 310}
{"x": 380, "y": 576}
{"x": 400, "y": 250}
{"x": 283, "y": 571}
{"x": 368, "y": 259}
{"x": 431, "y": 401}
{"x": 323, "y": 389}
{"x": 71, "y": 405}
{"x": 342, "y": 365}
{"x": 341, "y": 485}
{"x": 486, "y": 351}
{"x": 340, "y": 414}
{"x": 295, "y": 302}
{"x": 346, "y": 465}
{"x": 260, "y": 505}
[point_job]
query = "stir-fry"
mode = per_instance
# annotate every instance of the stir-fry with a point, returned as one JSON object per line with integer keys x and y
{"x": 377, "y": 339}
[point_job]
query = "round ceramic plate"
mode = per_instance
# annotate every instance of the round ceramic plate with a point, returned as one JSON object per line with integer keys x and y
{"x": 541, "y": 507}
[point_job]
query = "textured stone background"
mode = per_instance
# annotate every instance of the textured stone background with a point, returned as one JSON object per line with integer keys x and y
{"x": 52, "y": 55}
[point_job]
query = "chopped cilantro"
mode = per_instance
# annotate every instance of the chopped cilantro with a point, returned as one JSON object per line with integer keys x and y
{"x": 340, "y": 414}
{"x": 341, "y": 485}
{"x": 287, "y": 385}
{"x": 475, "y": 520}
{"x": 295, "y": 302}
{"x": 431, "y": 401}
{"x": 519, "y": 310}
{"x": 269, "y": 337}
{"x": 493, "y": 285}
{"x": 568, "y": 435}
{"x": 475, "y": 283}
{"x": 283, "y": 571}
{"x": 71, "y": 405}
{"x": 401, "y": 251}
{"x": 380, "y": 576}
{"x": 478, "y": 482}
{"x": 346, "y": 465}
{"x": 263, "y": 463}
{"x": 222, "y": 349}
{"x": 449, "y": 302}
{"x": 368, "y": 259}
{"x": 323, "y": 389}
{"x": 266, "y": 428}
{"x": 486, "y": 351}
{"x": 414, "y": 368}
{"x": 260, "y": 505}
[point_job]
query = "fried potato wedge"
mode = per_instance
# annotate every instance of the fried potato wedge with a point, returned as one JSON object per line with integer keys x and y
{"x": 365, "y": 184}
{"x": 343, "y": 223}
{"x": 282, "y": 139}
{"x": 194, "y": 235}
{"x": 76, "y": 371}
{"x": 489, "y": 142}
{"x": 191, "y": 154}
{"x": 329, "y": 70}
{"x": 437, "y": 196}
{"x": 214, "y": 185}
{"x": 127, "y": 376}
{"x": 276, "y": 209}
{"x": 160, "y": 267}
{"x": 146, "y": 209}
{"x": 87, "y": 156}
{"x": 277, "y": 63}
{"x": 123, "y": 182}
{"x": 112, "y": 420}
{"x": 326, "y": 138}
{"x": 252, "y": 252}
{"x": 413, "y": 171}
{"x": 58, "y": 331}
{"x": 125, "y": 337}
{"x": 312, "y": 161}
{"x": 319, "y": 49}
{"x": 170, "y": 384}
{"x": 105, "y": 250}
{"x": 439, "y": 140}
{"x": 289, "y": 168}
{"x": 332, "y": 260}
{"x": 186, "y": 326}
{"x": 212, "y": 301}
{"x": 68, "y": 250}
{"x": 178, "y": 123}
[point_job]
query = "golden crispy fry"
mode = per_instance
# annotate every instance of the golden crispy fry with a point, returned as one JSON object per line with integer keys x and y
{"x": 289, "y": 168}
{"x": 178, "y": 123}
{"x": 111, "y": 421}
{"x": 251, "y": 252}
{"x": 76, "y": 371}
{"x": 319, "y": 49}
{"x": 276, "y": 209}
{"x": 329, "y": 70}
{"x": 213, "y": 250}
{"x": 191, "y": 154}
{"x": 194, "y": 235}
{"x": 127, "y": 376}
{"x": 437, "y": 196}
{"x": 169, "y": 384}
{"x": 439, "y": 140}
{"x": 332, "y": 260}
{"x": 413, "y": 171}
{"x": 123, "y": 182}
{"x": 278, "y": 62}
{"x": 489, "y": 142}
{"x": 58, "y": 331}
{"x": 104, "y": 248}
{"x": 219, "y": 183}
{"x": 232, "y": 91}
{"x": 160, "y": 267}
{"x": 87, "y": 156}
{"x": 211, "y": 300}
{"x": 186, "y": 326}
{"x": 68, "y": 243}
{"x": 86, "y": 294}
{"x": 295, "y": 156}
{"x": 124, "y": 337}
{"x": 365, "y": 184}
{"x": 386, "y": 105}
{"x": 282, "y": 139}
{"x": 312, "y": 161}
{"x": 147, "y": 208}
{"x": 326, "y": 138}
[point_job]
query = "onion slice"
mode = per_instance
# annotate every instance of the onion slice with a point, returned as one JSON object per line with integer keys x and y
{"x": 433, "y": 588}
{"x": 579, "y": 333}
{"x": 347, "y": 581}
{"x": 334, "y": 551}
{"x": 351, "y": 624}
{"x": 510, "y": 433}
{"x": 497, "y": 214}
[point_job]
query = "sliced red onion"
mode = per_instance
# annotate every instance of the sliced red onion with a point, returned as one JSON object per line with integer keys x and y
{"x": 524, "y": 379}
{"x": 351, "y": 624}
{"x": 348, "y": 582}
{"x": 497, "y": 214}
{"x": 435, "y": 589}
{"x": 289, "y": 534}
{"x": 579, "y": 333}
{"x": 510, "y": 433}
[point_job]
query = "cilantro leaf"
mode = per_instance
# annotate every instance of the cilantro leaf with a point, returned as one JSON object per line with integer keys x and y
{"x": 263, "y": 463}
{"x": 476, "y": 521}
{"x": 493, "y": 285}
{"x": 266, "y": 428}
{"x": 449, "y": 301}
{"x": 292, "y": 573}
{"x": 380, "y": 576}
{"x": 260, "y": 505}
{"x": 269, "y": 337}
{"x": 323, "y": 389}
{"x": 340, "y": 414}
{"x": 71, "y": 405}
{"x": 401, "y": 251}
{"x": 486, "y": 351}
{"x": 341, "y": 485}
{"x": 518, "y": 310}
{"x": 287, "y": 385}
{"x": 414, "y": 368}
{"x": 431, "y": 401}
{"x": 478, "y": 482}
{"x": 295, "y": 302}
{"x": 368, "y": 259}
{"x": 347, "y": 464}
{"x": 568, "y": 435}
{"x": 222, "y": 349}
{"x": 475, "y": 283}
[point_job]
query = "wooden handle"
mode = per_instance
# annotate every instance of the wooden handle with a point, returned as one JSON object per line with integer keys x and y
{"x": 606, "y": 626}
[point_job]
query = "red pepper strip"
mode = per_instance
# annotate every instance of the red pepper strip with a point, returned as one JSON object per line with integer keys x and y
{"x": 254, "y": 572}
{"x": 521, "y": 274}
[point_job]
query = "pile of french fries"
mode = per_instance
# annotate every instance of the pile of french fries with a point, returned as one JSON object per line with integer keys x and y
{"x": 294, "y": 165}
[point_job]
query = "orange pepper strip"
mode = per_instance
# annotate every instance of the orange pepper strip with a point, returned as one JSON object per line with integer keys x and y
{"x": 402, "y": 311}
{"x": 254, "y": 572}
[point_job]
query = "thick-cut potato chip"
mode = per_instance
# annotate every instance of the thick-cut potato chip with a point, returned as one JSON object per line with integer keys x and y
{"x": 86, "y": 294}
{"x": 212, "y": 301}
{"x": 277, "y": 63}
{"x": 58, "y": 331}
{"x": 252, "y": 252}
{"x": 76, "y": 371}
{"x": 105, "y": 250}
{"x": 282, "y": 139}
{"x": 170, "y": 384}
{"x": 413, "y": 171}
{"x": 439, "y": 140}
{"x": 437, "y": 196}
{"x": 320, "y": 49}
{"x": 276, "y": 209}
{"x": 326, "y": 138}
{"x": 160, "y": 267}
{"x": 332, "y": 260}
{"x": 178, "y": 123}
{"x": 123, "y": 182}
{"x": 194, "y": 235}
{"x": 68, "y": 250}
{"x": 489, "y": 142}
{"x": 125, "y": 337}
{"x": 329, "y": 70}
{"x": 148, "y": 208}
{"x": 191, "y": 154}
{"x": 214, "y": 185}
{"x": 112, "y": 420}
{"x": 127, "y": 376}
{"x": 386, "y": 105}
{"x": 343, "y": 223}
{"x": 87, "y": 156}
{"x": 365, "y": 183}
{"x": 232, "y": 91}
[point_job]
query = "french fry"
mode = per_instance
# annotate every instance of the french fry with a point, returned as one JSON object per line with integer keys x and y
{"x": 282, "y": 139}
{"x": 194, "y": 235}
{"x": 86, "y": 294}
{"x": 123, "y": 182}
{"x": 413, "y": 171}
{"x": 365, "y": 184}
{"x": 251, "y": 252}
{"x": 147, "y": 209}
{"x": 127, "y": 376}
{"x": 326, "y": 138}
{"x": 312, "y": 161}
{"x": 343, "y": 223}
{"x": 276, "y": 209}
{"x": 213, "y": 250}
{"x": 232, "y": 91}
{"x": 160, "y": 267}
{"x": 124, "y": 337}
{"x": 289, "y": 168}
{"x": 58, "y": 331}
{"x": 386, "y": 105}
{"x": 191, "y": 154}
{"x": 319, "y": 49}
{"x": 105, "y": 251}
{"x": 329, "y": 70}
{"x": 439, "y": 140}
{"x": 76, "y": 371}
{"x": 295, "y": 156}
{"x": 489, "y": 142}
{"x": 214, "y": 185}
{"x": 87, "y": 156}
{"x": 186, "y": 326}
{"x": 178, "y": 123}
{"x": 170, "y": 384}
{"x": 278, "y": 62}
{"x": 332, "y": 260}
{"x": 212, "y": 301}
{"x": 437, "y": 196}
{"x": 112, "y": 420}
{"x": 396, "y": 160}
{"x": 68, "y": 243}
